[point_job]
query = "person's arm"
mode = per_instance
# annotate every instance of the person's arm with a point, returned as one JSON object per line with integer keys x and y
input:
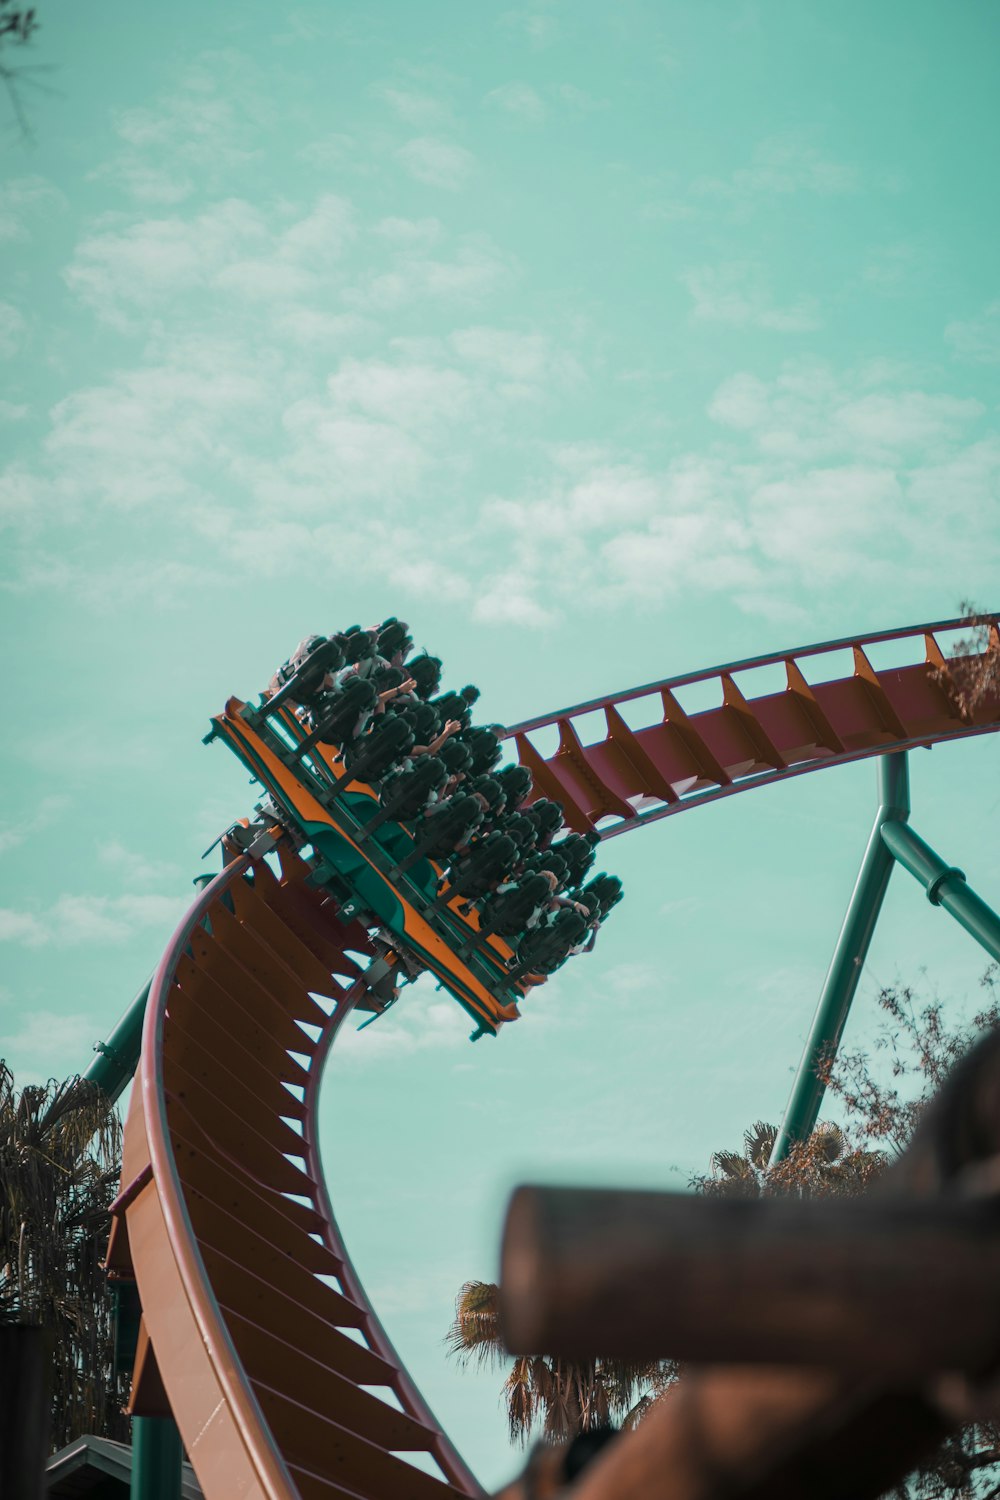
{"x": 384, "y": 699}
{"x": 452, "y": 727}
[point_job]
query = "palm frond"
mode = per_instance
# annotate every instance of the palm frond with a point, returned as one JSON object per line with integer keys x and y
{"x": 60, "y": 1147}
{"x": 474, "y": 1334}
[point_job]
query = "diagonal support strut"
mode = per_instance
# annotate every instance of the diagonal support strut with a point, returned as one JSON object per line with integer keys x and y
{"x": 848, "y": 957}
{"x": 892, "y": 841}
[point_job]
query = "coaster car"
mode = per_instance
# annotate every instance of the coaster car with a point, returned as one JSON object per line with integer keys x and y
{"x": 378, "y": 869}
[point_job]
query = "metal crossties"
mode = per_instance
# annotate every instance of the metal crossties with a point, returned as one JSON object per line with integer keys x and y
{"x": 631, "y": 776}
{"x": 256, "y": 1332}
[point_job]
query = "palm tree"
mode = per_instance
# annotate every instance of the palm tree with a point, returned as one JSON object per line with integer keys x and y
{"x": 556, "y": 1397}
{"x": 60, "y": 1157}
{"x": 559, "y": 1398}
{"x": 825, "y": 1164}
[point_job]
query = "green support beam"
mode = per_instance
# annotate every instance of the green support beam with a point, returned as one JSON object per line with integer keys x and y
{"x": 945, "y": 885}
{"x": 848, "y": 957}
{"x": 156, "y": 1459}
{"x": 892, "y": 841}
{"x": 117, "y": 1058}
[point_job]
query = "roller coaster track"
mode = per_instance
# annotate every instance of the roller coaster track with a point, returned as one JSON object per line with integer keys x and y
{"x": 628, "y": 777}
{"x": 256, "y": 1333}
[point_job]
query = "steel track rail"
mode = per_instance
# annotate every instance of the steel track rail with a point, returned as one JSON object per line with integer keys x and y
{"x": 256, "y": 1332}
{"x": 629, "y": 777}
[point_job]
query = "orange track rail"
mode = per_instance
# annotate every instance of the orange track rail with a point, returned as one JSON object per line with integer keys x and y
{"x": 634, "y": 776}
{"x": 224, "y": 1220}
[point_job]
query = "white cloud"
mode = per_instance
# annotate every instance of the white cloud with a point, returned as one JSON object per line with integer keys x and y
{"x": 537, "y": 23}
{"x": 437, "y": 163}
{"x": 12, "y": 330}
{"x": 231, "y": 247}
{"x": 340, "y": 151}
{"x": 22, "y": 201}
{"x": 821, "y": 522}
{"x": 147, "y": 435}
{"x": 309, "y": 326}
{"x": 147, "y": 184}
{"x": 519, "y": 359}
{"x": 419, "y": 233}
{"x": 510, "y": 599}
{"x": 420, "y": 1021}
{"x": 21, "y": 927}
{"x": 203, "y": 132}
{"x": 44, "y": 1044}
{"x": 415, "y": 396}
{"x": 734, "y": 294}
{"x": 577, "y": 98}
{"x": 46, "y": 812}
{"x": 413, "y": 106}
{"x": 474, "y": 269}
{"x": 131, "y": 866}
{"x": 977, "y": 339}
{"x": 519, "y": 100}
{"x": 142, "y": 263}
{"x": 958, "y": 489}
{"x": 892, "y": 268}
{"x": 424, "y": 577}
{"x": 11, "y": 411}
{"x": 76, "y": 920}
{"x": 827, "y": 481}
{"x": 348, "y": 455}
{"x": 600, "y": 494}
{"x": 780, "y": 166}
{"x": 808, "y": 412}
{"x": 707, "y": 548}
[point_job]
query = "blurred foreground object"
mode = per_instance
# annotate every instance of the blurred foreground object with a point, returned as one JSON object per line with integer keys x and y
{"x": 25, "y": 1363}
{"x": 847, "y": 1338}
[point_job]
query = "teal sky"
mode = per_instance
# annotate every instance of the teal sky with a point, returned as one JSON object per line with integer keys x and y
{"x": 601, "y": 343}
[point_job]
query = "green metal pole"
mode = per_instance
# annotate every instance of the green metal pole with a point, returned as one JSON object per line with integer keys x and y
{"x": 945, "y": 885}
{"x": 156, "y": 1459}
{"x": 848, "y": 957}
{"x": 117, "y": 1058}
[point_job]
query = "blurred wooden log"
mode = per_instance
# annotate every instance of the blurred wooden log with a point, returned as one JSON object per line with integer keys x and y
{"x": 792, "y": 1432}
{"x": 895, "y": 1288}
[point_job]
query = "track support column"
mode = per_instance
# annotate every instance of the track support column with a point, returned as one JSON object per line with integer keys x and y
{"x": 848, "y": 956}
{"x": 944, "y": 884}
{"x": 116, "y": 1059}
{"x": 156, "y": 1459}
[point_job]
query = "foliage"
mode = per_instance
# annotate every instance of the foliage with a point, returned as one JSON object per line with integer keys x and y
{"x": 17, "y": 26}
{"x": 880, "y": 1113}
{"x": 824, "y": 1165}
{"x": 557, "y": 1398}
{"x": 60, "y": 1157}
{"x": 972, "y": 676}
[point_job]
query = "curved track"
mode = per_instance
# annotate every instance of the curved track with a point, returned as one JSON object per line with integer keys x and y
{"x": 265, "y": 1344}
{"x": 628, "y": 776}
{"x": 256, "y": 1332}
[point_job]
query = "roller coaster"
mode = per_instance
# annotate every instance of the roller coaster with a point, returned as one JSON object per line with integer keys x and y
{"x": 256, "y": 1337}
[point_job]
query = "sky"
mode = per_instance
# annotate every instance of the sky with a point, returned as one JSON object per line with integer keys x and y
{"x": 599, "y": 342}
